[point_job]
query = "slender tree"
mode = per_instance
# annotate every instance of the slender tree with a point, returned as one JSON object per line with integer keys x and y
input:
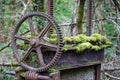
{"x": 78, "y": 15}
{"x": 80, "y": 12}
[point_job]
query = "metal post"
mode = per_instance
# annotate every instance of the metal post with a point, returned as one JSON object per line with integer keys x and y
{"x": 97, "y": 72}
{"x": 50, "y": 7}
{"x": 51, "y": 13}
{"x": 89, "y": 17}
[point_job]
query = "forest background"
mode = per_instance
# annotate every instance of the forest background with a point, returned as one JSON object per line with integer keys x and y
{"x": 105, "y": 20}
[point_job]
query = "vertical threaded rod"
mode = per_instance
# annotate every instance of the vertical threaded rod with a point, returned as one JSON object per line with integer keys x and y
{"x": 89, "y": 17}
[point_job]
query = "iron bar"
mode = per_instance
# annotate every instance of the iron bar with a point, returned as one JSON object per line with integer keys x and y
{"x": 50, "y": 7}
{"x": 8, "y": 64}
{"x": 89, "y": 17}
{"x": 11, "y": 73}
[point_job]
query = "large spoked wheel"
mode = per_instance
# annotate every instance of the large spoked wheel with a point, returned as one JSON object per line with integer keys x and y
{"x": 32, "y": 30}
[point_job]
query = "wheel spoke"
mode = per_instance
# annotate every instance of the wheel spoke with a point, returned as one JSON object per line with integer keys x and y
{"x": 27, "y": 53}
{"x": 31, "y": 25}
{"x": 40, "y": 56}
{"x": 45, "y": 29}
{"x": 48, "y": 45}
{"x": 21, "y": 38}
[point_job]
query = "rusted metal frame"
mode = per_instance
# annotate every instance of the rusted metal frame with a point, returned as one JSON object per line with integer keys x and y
{"x": 32, "y": 29}
{"x": 13, "y": 73}
{"x": 27, "y": 53}
{"x": 43, "y": 32}
{"x": 35, "y": 43}
{"x": 97, "y": 72}
{"x": 22, "y": 38}
{"x": 50, "y": 7}
{"x": 89, "y": 17}
{"x": 40, "y": 56}
{"x": 8, "y": 64}
{"x": 50, "y": 11}
{"x": 29, "y": 75}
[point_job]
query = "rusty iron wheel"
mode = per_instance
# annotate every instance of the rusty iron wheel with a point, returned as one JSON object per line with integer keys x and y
{"x": 37, "y": 42}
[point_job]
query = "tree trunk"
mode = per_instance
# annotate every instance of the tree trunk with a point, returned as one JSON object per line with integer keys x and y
{"x": 80, "y": 14}
{"x": 1, "y": 20}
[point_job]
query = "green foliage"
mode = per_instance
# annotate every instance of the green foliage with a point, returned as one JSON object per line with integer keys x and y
{"x": 38, "y": 5}
{"x": 28, "y": 36}
{"x": 63, "y": 10}
{"x": 22, "y": 45}
{"x": 3, "y": 74}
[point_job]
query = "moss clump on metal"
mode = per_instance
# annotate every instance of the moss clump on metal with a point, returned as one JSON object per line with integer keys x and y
{"x": 82, "y": 42}
{"x": 79, "y": 42}
{"x": 52, "y": 69}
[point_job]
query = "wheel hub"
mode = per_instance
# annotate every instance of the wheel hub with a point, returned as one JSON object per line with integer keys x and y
{"x": 34, "y": 42}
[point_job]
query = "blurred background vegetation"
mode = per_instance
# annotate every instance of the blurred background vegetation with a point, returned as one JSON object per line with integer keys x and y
{"x": 105, "y": 20}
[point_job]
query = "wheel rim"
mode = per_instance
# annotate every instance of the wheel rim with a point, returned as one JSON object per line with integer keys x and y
{"x": 35, "y": 43}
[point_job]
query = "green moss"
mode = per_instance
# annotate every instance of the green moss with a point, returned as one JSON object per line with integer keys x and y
{"x": 15, "y": 63}
{"x": 96, "y": 48}
{"x": 53, "y": 41}
{"x": 91, "y": 39}
{"x": 53, "y": 36}
{"x": 103, "y": 46}
{"x": 67, "y": 40}
{"x": 28, "y": 36}
{"x": 82, "y": 42}
{"x": 100, "y": 40}
{"x": 80, "y": 38}
{"x": 108, "y": 43}
{"x": 51, "y": 70}
{"x": 32, "y": 60}
{"x": 22, "y": 74}
{"x": 75, "y": 39}
{"x": 67, "y": 47}
{"x": 17, "y": 69}
{"x": 21, "y": 43}
{"x": 83, "y": 46}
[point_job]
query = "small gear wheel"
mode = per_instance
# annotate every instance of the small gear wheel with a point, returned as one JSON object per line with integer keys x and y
{"x": 32, "y": 31}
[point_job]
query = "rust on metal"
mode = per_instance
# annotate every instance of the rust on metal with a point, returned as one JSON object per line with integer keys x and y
{"x": 37, "y": 42}
{"x": 97, "y": 72}
{"x": 71, "y": 59}
{"x": 50, "y": 8}
{"x": 29, "y": 75}
{"x": 55, "y": 75}
{"x": 50, "y": 12}
{"x": 89, "y": 17}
